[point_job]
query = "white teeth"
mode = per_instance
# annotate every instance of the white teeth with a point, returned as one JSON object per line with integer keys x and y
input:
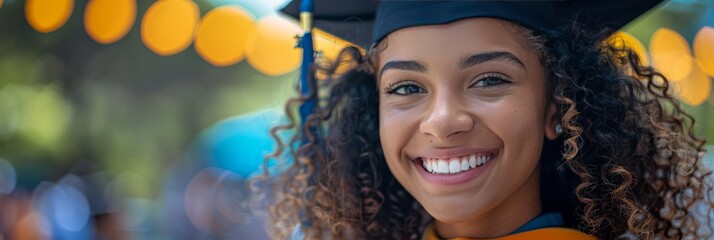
{"x": 443, "y": 167}
{"x": 454, "y": 165}
{"x": 464, "y": 164}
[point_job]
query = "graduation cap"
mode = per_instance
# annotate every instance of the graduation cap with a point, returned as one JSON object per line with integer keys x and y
{"x": 365, "y": 22}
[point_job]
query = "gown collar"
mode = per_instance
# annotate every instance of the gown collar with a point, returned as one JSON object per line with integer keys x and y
{"x": 546, "y": 226}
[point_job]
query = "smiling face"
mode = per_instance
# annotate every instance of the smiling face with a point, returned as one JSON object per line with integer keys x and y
{"x": 463, "y": 116}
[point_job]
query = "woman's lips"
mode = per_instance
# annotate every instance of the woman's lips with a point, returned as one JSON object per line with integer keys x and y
{"x": 454, "y": 170}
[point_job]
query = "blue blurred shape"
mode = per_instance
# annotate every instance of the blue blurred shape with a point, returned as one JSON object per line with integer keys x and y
{"x": 239, "y": 144}
{"x": 70, "y": 208}
{"x": 67, "y": 210}
{"x": 8, "y": 177}
{"x": 259, "y": 9}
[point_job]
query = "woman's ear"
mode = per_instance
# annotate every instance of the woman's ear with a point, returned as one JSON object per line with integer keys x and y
{"x": 552, "y": 121}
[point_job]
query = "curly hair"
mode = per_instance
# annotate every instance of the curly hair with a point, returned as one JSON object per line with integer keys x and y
{"x": 628, "y": 163}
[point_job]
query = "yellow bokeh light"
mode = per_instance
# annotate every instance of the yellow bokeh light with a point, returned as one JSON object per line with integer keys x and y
{"x": 224, "y": 35}
{"x": 704, "y": 49}
{"x": 168, "y": 26}
{"x": 671, "y": 54}
{"x": 620, "y": 38}
{"x": 48, "y": 15}
{"x": 0, "y": 4}
{"x": 275, "y": 52}
{"x": 107, "y": 21}
{"x": 695, "y": 88}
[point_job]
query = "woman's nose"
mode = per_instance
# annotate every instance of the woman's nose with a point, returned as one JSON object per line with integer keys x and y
{"x": 447, "y": 116}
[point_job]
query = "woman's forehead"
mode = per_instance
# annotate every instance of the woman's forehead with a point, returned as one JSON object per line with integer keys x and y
{"x": 449, "y": 41}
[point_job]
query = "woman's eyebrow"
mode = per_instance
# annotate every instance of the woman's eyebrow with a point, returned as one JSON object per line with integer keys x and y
{"x": 404, "y": 65}
{"x": 474, "y": 59}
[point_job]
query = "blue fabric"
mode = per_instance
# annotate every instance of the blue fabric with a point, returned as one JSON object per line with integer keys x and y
{"x": 551, "y": 219}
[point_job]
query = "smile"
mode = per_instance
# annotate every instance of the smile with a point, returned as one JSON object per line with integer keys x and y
{"x": 455, "y": 170}
{"x": 456, "y": 164}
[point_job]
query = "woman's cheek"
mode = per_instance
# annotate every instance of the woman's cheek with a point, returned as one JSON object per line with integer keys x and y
{"x": 518, "y": 125}
{"x": 390, "y": 133}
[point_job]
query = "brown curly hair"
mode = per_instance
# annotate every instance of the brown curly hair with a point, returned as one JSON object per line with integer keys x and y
{"x": 627, "y": 165}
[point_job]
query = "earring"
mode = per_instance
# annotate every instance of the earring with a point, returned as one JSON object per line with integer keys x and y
{"x": 558, "y": 129}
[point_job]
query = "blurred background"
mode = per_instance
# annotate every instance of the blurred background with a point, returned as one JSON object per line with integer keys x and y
{"x": 141, "y": 119}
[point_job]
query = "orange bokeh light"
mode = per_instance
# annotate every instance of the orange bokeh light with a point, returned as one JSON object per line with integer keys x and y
{"x": 275, "y": 52}
{"x": 168, "y": 26}
{"x": 225, "y": 35}
{"x": 48, "y": 15}
{"x": 107, "y": 21}
{"x": 704, "y": 49}
{"x": 671, "y": 54}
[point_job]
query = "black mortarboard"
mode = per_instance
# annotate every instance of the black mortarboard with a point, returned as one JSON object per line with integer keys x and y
{"x": 364, "y": 22}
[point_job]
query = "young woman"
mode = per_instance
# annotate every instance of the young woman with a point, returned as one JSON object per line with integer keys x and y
{"x": 480, "y": 119}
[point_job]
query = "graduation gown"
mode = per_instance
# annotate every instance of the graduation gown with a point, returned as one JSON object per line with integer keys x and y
{"x": 547, "y": 226}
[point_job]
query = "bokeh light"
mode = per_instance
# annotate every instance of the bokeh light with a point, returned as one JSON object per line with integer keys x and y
{"x": 70, "y": 209}
{"x": 671, "y": 54}
{"x": 107, "y": 21}
{"x": 134, "y": 213}
{"x": 32, "y": 225}
{"x": 1, "y": 4}
{"x": 8, "y": 177}
{"x": 200, "y": 202}
{"x": 168, "y": 26}
{"x": 229, "y": 200}
{"x": 239, "y": 144}
{"x": 48, "y": 15}
{"x": 134, "y": 191}
{"x": 65, "y": 207}
{"x": 704, "y": 49}
{"x": 275, "y": 52}
{"x": 695, "y": 88}
{"x": 225, "y": 35}
{"x": 44, "y": 118}
{"x": 620, "y": 38}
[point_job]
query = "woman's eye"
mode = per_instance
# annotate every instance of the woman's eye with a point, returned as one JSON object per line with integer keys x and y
{"x": 490, "y": 81}
{"x": 405, "y": 89}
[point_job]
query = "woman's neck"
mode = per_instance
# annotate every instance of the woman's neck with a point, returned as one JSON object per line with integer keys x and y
{"x": 503, "y": 219}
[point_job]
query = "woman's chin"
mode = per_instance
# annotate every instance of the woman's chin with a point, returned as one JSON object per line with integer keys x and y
{"x": 453, "y": 214}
